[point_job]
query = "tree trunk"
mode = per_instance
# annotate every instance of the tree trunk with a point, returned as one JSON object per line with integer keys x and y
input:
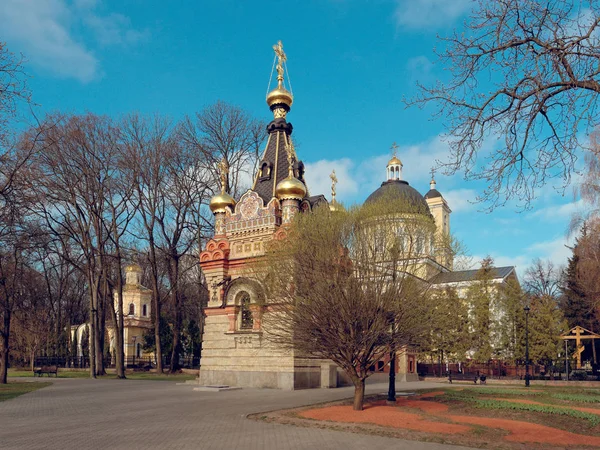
{"x": 359, "y": 394}
{"x": 120, "y": 348}
{"x": 101, "y": 328}
{"x": 4, "y": 347}
{"x": 117, "y": 320}
{"x": 92, "y": 333}
{"x": 174, "y": 275}
{"x": 156, "y": 307}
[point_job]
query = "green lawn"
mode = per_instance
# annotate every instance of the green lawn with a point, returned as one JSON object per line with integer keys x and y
{"x": 160, "y": 377}
{"x": 14, "y": 389}
{"x": 64, "y": 373}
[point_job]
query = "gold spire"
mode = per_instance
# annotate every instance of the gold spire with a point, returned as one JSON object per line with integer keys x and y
{"x": 220, "y": 202}
{"x": 281, "y": 58}
{"x": 223, "y": 174}
{"x": 334, "y": 181}
{"x": 280, "y": 99}
{"x": 334, "y": 205}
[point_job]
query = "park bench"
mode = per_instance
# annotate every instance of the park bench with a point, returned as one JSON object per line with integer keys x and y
{"x": 39, "y": 371}
{"x": 462, "y": 377}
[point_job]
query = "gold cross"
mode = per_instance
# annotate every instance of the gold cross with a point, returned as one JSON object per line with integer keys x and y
{"x": 394, "y": 148}
{"x": 281, "y": 58}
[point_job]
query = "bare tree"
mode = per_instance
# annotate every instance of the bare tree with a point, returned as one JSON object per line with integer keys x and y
{"x": 13, "y": 92}
{"x": 343, "y": 287}
{"x": 73, "y": 175}
{"x": 542, "y": 278}
{"x": 525, "y": 72}
{"x": 223, "y": 131}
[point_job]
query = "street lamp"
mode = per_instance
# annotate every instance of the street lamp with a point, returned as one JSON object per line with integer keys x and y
{"x": 391, "y": 399}
{"x": 526, "y": 309}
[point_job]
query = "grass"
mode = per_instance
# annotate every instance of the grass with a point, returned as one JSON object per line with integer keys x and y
{"x": 576, "y": 397}
{"x": 160, "y": 377}
{"x": 14, "y": 389}
{"x": 547, "y": 409}
{"x": 61, "y": 374}
{"x": 485, "y": 399}
{"x": 152, "y": 376}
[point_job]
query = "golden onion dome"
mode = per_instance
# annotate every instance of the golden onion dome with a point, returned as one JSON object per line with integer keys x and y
{"x": 394, "y": 160}
{"x": 220, "y": 202}
{"x": 334, "y": 206}
{"x": 133, "y": 268}
{"x": 290, "y": 189}
{"x": 280, "y": 95}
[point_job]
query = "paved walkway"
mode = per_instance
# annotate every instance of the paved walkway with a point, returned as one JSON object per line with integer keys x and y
{"x": 115, "y": 414}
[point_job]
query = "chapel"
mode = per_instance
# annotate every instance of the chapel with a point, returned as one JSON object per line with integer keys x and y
{"x": 235, "y": 351}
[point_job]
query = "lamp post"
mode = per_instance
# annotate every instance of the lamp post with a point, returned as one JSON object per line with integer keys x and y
{"x": 526, "y": 309}
{"x": 391, "y": 398}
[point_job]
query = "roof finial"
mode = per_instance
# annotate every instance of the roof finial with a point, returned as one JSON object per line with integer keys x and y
{"x": 289, "y": 149}
{"x": 281, "y": 58}
{"x": 280, "y": 99}
{"x": 432, "y": 183}
{"x": 394, "y": 148}
{"x": 223, "y": 174}
{"x": 334, "y": 181}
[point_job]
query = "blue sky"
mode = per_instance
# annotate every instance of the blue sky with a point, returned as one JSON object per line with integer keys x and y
{"x": 350, "y": 63}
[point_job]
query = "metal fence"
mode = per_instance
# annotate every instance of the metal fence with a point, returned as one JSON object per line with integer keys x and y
{"x": 82, "y": 362}
{"x": 500, "y": 370}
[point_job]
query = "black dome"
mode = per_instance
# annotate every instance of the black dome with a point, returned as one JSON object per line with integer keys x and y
{"x": 399, "y": 189}
{"x": 433, "y": 193}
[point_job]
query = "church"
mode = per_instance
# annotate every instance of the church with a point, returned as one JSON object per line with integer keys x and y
{"x": 235, "y": 351}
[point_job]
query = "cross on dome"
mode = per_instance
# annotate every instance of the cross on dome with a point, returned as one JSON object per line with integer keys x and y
{"x": 394, "y": 165}
{"x": 432, "y": 182}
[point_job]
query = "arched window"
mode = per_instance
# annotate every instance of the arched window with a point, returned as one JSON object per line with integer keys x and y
{"x": 144, "y": 310}
{"x": 131, "y": 309}
{"x": 246, "y": 320}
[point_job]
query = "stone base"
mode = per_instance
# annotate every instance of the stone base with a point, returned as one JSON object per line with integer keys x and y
{"x": 248, "y": 379}
{"x": 216, "y": 388}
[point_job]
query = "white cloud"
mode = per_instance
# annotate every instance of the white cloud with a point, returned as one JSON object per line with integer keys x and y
{"x": 318, "y": 181}
{"x": 114, "y": 29}
{"x": 43, "y": 30}
{"x": 560, "y": 212}
{"x": 429, "y": 13}
{"x": 556, "y": 250}
{"x": 460, "y": 200}
{"x": 40, "y": 30}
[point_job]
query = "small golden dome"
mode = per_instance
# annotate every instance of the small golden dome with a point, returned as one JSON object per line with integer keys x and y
{"x": 133, "y": 268}
{"x": 220, "y": 202}
{"x": 394, "y": 160}
{"x": 334, "y": 206}
{"x": 290, "y": 189}
{"x": 280, "y": 95}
